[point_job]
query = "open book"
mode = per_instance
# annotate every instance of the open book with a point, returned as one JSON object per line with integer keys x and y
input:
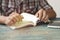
{"x": 28, "y": 19}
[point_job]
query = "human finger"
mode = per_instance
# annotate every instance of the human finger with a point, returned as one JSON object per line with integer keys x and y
{"x": 44, "y": 15}
{"x": 40, "y": 14}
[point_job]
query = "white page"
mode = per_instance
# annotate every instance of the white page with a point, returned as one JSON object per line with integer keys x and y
{"x": 30, "y": 17}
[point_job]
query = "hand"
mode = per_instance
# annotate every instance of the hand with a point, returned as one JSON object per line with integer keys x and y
{"x": 13, "y": 18}
{"x": 42, "y": 15}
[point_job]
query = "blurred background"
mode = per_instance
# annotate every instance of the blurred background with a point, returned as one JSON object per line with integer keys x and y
{"x": 56, "y": 5}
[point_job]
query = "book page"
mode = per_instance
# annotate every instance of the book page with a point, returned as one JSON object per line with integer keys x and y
{"x": 30, "y": 17}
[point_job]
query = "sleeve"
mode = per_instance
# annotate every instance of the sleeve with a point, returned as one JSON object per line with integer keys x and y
{"x": 44, "y": 4}
{"x": 11, "y": 7}
{"x": 8, "y": 7}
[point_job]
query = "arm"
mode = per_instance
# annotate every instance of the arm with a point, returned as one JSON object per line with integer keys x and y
{"x": 9, "y": 9}
{"x": 49, "y": 10}
{"x": 5, "y": 10}
{"x": 45, "y": 11}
